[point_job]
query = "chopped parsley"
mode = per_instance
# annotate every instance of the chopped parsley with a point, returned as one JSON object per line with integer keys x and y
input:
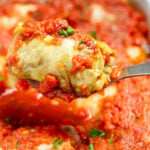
{"x": 57, "y": 143}
{"x": 63, "y": 32}
{"x": 93, "y": 34}
{"x": 70, "y": 30}
{"x": 18, "y": 144}
{"x": 111, "y": 138}
{"x": 66, "y": 32}
{"x": 82, "y": 42}
{"x": 95, "y": 133}
{"x": 91, "y": 147}
{"x": 1, "y": 78}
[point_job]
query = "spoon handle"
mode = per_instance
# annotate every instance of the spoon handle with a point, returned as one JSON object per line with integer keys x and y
{"x": 132, "y": 71}
{"x": 136, "y": 70}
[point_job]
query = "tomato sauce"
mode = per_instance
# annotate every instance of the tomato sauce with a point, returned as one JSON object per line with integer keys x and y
{"x": 81, "y": 62}
{"x": 29, "y": 119}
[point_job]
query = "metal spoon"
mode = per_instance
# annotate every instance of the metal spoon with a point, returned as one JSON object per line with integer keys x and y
{"x": 132, "y": 71}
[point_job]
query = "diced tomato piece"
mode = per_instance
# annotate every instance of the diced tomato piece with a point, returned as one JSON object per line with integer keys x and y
{"x": 48, "y": 84}
{"x": 82, "y": 133}
{"x": 22, "y": 84}
{"x": 116, "y": 72}
{"x": 2, "y": 87}
{"x": 80, "y": 62}
{"x": 68, "y": 97}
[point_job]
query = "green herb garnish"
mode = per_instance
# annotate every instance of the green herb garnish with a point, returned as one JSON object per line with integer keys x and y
{"x": 1, "y": 78}
{"x": 82, "y": 42}
{"x": 66, "y": 32}
{"x": 70, "y": 30}
{"x": 18, "y": 144}
{"x": 111, "y": 138}
{"x": 63, "y": 32}
{"x": 91, "y": 147}
{"x": 95, "y": 133}
{"x": 93, "y": 34}
{"x": 57, "y": 143}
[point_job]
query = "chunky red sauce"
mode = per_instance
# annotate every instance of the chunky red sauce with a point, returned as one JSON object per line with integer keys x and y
{"x": 125, "y": 114}
{"x": 55, "y": 28}
{"x": 81, "y": 62}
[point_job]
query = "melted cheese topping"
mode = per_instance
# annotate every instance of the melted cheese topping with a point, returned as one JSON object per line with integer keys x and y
{"x": 49, "y": 55}
{"x": 98, "y": 14}
{"x": 94, "y": 102}
{"x": 11, "y": 80}
{"x": 8, "y": 22}
{"x": 91, "y": 103}
{"x": 9, "y": 91}
{"x": 2, "y": 62}
{"x": 62, "y": 146}
{"x": 19, "y": 12}
{"x": 133, "y": 52}
{"x": 24, "y": 9}
{"x": 111, "y": 90}
{"x": 57, "y": 60}
{"x": 45, "y": 147}
{"x": 136, "y": 54}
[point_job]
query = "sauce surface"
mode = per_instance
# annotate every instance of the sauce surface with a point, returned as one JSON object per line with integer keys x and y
{"x": 31, "y": 121}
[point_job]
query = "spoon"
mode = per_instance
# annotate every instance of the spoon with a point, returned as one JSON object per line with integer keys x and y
{"x": 132, "y": 71}
{"x": 126, "y": 72}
